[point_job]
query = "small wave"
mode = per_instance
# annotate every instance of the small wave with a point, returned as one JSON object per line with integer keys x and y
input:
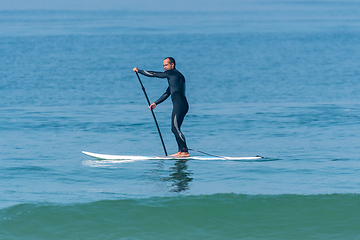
{"x": 218, "y": 216}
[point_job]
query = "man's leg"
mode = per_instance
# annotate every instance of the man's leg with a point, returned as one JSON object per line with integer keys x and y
{"x": 176, "y": 121}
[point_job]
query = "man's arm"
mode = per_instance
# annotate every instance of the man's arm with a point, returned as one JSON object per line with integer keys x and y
{"x": 163, "y": 97}
{"x": 151, "y": 73}
{"x": 159, "y": 75}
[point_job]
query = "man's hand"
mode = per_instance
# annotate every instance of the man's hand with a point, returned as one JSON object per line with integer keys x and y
{"x": 135, "y": 69}
{"x": 152, "y": 106}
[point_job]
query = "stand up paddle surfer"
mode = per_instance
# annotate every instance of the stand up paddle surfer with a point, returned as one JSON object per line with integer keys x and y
{"x": 180, "y": 105}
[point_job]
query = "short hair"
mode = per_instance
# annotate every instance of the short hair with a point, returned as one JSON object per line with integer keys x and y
{"x": 171, "y": 60}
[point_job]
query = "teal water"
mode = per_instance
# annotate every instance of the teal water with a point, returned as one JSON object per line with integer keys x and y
{"x": 219, "y": 216}
{"x": 277, "y": 79}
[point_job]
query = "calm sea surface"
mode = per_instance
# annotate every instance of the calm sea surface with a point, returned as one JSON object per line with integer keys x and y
{"x": 278, "y": 79}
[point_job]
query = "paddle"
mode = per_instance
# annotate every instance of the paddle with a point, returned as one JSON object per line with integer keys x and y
{"x": 157, "y": 125}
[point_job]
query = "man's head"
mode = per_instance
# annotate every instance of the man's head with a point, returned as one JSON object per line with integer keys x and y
{"x": 169, "y": 63}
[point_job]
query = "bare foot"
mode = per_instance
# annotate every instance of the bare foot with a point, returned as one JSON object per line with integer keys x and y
{"x": 184, "y": 154}
{"x": 181, "y": 154}
{"x": 175, "y": 154}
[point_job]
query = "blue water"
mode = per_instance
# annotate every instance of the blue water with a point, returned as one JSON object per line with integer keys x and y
{"x": 278, "y": 79}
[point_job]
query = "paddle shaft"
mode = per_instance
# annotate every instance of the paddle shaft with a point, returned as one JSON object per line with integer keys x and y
{"x": 157, "y": 125}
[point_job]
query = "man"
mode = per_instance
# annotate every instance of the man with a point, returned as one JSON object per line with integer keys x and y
{"x": 176, "y": 90}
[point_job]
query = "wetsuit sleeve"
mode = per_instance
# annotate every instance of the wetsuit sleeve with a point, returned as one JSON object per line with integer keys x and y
{"x": 163, "y": 97}
{"x": 154, "y": 74}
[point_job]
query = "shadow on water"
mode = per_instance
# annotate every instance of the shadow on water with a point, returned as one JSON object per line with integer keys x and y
{"x": 180, "y": 176}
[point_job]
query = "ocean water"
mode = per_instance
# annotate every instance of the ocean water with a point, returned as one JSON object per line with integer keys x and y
{"x": 279, "y": 79}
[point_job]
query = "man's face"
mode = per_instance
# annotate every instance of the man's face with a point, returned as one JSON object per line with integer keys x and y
{"x": 167, "y": 65}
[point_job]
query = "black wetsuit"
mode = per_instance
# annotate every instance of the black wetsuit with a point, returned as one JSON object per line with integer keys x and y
{"x": 180, "y": 105}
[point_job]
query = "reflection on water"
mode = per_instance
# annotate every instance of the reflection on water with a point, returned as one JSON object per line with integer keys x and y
{"x": 180, "y": 176}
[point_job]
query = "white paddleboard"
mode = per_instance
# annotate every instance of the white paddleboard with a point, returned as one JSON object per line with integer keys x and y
{"x": 124, "y": 157}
